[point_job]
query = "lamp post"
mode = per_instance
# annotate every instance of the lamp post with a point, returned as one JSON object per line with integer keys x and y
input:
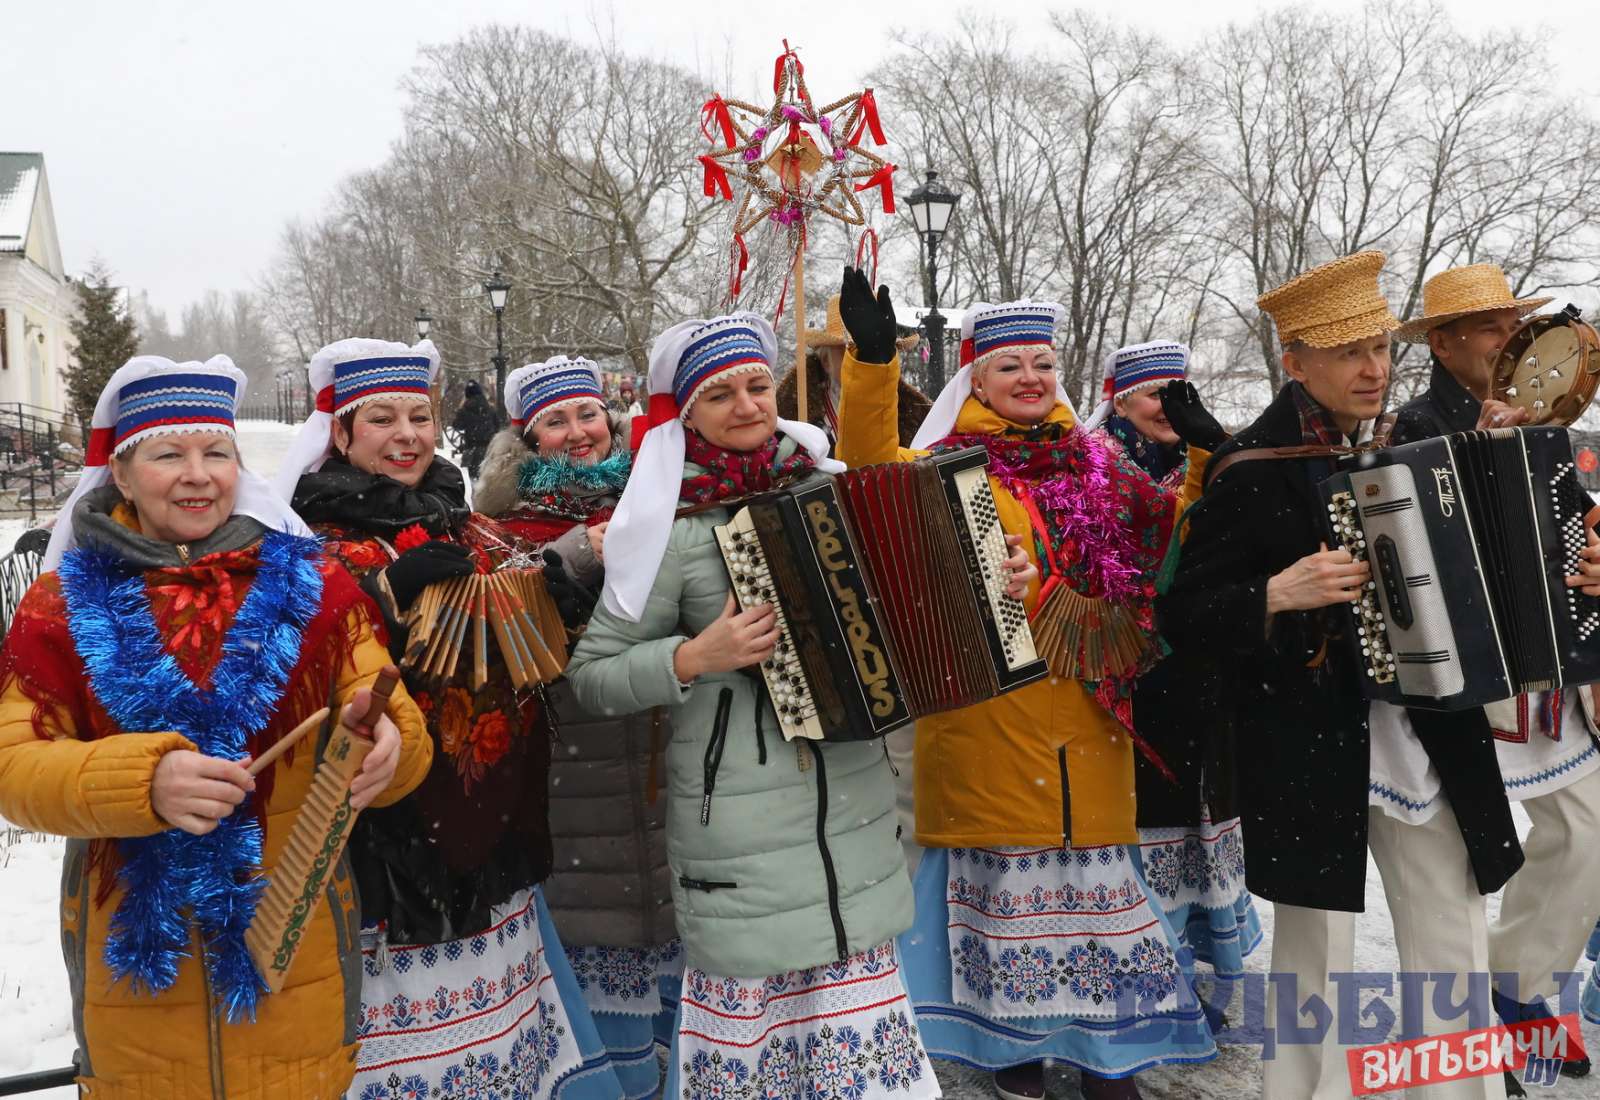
{"x": 497, "y": 288}
{"x": 931, "y": 207}
{"x": 424, "y": 324}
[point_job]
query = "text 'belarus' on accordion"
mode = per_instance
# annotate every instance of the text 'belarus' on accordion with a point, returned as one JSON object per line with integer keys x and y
{"x": 1470, "y": 538}
{"x": 890, "y": 595}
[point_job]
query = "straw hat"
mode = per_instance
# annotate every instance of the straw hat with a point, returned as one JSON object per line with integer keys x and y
{"x": 1476, "y": 288}
{"x": 1331, "y": 305}
{"x": 833, "y": 334}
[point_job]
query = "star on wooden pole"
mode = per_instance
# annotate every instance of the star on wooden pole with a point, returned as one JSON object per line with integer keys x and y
{"x": 789, "y": 162}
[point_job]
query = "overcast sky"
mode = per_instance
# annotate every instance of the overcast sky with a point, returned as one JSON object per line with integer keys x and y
{"x": 179, "y": 137}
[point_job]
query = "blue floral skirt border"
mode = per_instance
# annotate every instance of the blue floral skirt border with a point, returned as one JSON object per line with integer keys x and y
{"x": 1196, "y": 874}
{"x": 1109, "y": 1046}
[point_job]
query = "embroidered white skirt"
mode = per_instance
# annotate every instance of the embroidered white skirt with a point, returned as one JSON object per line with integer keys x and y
{"x": 491, "y": 1015}
{"x": 1020, "y": 955}
{"x": 1197, "y": 876}
{"x": 843, "y": 1031}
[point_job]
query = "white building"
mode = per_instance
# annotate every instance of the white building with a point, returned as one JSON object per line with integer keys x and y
{"x": 37, "y": 301}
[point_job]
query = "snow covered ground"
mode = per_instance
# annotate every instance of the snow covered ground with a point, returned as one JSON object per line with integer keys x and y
{"x": 35, "y": 1015}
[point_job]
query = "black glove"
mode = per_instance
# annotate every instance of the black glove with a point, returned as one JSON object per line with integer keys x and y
{"x": 573, "y": 600}
{"x": 868, "y": 320}
{"x": 430, "y": 563}
{"x": 1180, "y": 401}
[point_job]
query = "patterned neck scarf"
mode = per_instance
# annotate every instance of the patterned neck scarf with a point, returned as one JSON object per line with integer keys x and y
{"x": 729, "y": 474}
{"x": 1156, "y": 459}
{"x": 1318, "y": 429}
{"x": 1100, "y": 527}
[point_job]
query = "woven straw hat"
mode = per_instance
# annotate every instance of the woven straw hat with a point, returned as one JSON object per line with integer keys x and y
{"x": 1333, "y": 304}
{"x": 833, "y": 334}
{"x": 1476, "y": 288}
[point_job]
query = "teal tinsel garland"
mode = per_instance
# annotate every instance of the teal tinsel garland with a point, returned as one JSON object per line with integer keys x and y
{"x": 539, "y": 476}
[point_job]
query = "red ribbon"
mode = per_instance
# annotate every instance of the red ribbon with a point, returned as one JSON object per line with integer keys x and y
{"x": 325, "y": 399}
{"x": 736, "y": 276}
{"x": 868, "y": 119}
{"x": 870, "y": 237}
{"x": 662, "y": 409}
{"x": 714, "y": 112}
{"x": 967, "y": 351}
{"x": 777, "y": 67}
{"x": 884, "y": 178}
{"x": 99, "y": 452}
{"x": 716, "y": 179}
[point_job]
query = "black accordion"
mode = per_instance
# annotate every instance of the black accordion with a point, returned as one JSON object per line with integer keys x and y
{"x": 1470, "y": 538}
{"x": 889, "y": 592}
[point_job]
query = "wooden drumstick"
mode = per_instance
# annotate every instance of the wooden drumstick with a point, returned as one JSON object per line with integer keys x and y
{"x": 287, "y": 742}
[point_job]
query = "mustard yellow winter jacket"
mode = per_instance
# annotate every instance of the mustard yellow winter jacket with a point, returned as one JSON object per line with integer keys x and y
{"x": 66, "y": 769}
{"x": 1044, "y": 765}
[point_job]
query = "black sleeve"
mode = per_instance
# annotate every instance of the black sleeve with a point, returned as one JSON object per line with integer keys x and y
{"x": 1217, "y": 603}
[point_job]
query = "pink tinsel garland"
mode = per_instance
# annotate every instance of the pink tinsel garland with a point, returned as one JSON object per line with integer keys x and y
{"x": 1074, "y": 483}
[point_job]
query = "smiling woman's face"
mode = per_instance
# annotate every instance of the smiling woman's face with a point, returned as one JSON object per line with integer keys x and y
{"x": 582, "y": 433}
{"x": 1019, "y": 385}
{"x": 182, "y": 486}
{"x": 739, "y": 414}
{"x": 393, "y": 438}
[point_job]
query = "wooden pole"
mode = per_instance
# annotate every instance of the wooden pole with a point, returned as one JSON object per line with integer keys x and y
{"x": 800, "y": 328}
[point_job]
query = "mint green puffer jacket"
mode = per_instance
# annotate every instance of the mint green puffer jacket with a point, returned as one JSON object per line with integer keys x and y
{"x": 797, "y": 863}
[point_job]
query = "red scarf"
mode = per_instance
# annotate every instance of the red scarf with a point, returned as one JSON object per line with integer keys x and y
{"x": 730, "y": 474}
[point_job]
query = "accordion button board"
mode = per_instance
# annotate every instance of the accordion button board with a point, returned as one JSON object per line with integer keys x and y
{"x": 888, "y": 586}
{"x": 1470, "y": 538}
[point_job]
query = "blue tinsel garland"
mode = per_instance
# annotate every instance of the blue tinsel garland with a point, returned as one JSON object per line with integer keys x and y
{"x": 173, "y": 876}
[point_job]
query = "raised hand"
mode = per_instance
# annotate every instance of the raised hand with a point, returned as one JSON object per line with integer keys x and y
{"x": 1180, "y": 402}
{"x": 868, "y": 320}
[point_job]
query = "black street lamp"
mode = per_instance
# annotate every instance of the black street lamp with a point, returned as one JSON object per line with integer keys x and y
{"x": 424, "y": 324}
{"x": 931, "y": 207}
{"x": 497, "y": 288}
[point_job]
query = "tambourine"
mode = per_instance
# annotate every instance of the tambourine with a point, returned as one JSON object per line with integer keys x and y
{"x": 1550, "y": 366}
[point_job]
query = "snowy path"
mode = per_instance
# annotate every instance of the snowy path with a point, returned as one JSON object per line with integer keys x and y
{"x": 35, "y": 1013}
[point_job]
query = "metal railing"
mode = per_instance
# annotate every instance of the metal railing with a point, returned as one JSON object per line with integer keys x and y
{"x": 19, "y": 568}
{"x": 33, "y": 466}
{"x": 39, "y": 1080}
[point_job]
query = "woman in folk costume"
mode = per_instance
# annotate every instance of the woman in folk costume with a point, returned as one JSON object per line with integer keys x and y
{"x": 788, "y": 882}
{"x": 1036, "y": 936}
{"x": 185, "y": 622}
{"x": 1190, "y": 847}
{"x": 464, "y": 979}
{"x": 553, "y": 478}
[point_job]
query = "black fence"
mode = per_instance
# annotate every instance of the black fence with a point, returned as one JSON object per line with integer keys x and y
{"x": 39, "y": 1080}
{"x": 40, "y": 454}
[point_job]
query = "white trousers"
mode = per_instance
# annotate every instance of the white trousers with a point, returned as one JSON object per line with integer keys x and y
{"x": 902, "y": 744}
{"x": 1439, "y": 926}
{"x": 1549, "y": 906}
